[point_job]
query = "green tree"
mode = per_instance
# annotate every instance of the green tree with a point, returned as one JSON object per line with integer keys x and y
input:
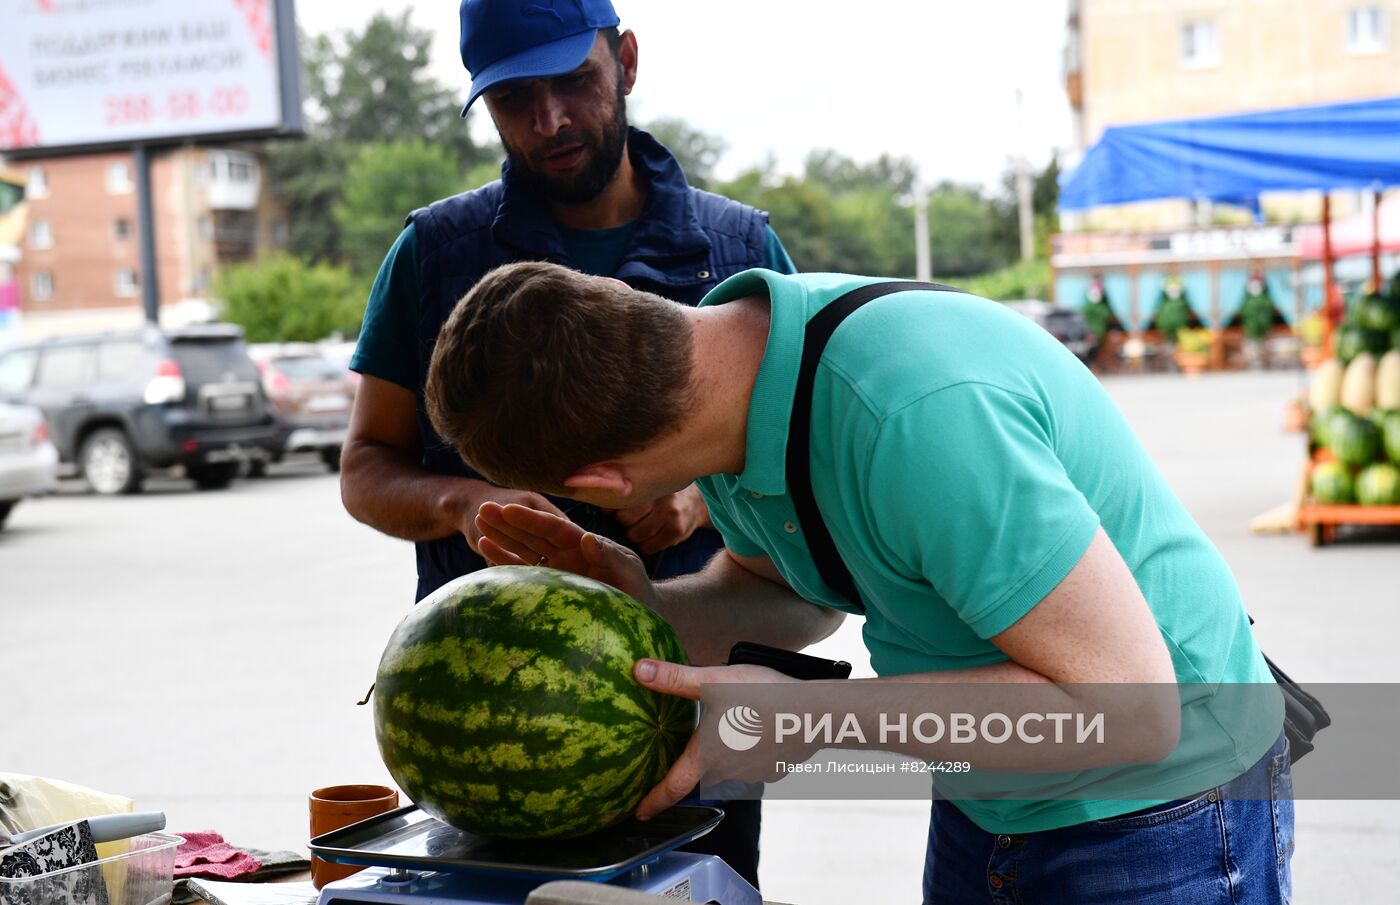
{"x": 383, "y": 183}
{"x": 1045, "y": 206}
{"x": 283, "y": 299}
{"x": 839, "y": 215}
{"x": 362, "y": 87}
{"x": 696, "y": 151}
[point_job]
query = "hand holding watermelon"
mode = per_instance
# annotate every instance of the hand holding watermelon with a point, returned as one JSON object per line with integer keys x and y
{"x": 687, "y": 682}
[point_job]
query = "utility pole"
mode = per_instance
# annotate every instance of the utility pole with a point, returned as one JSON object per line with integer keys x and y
{"x": 1024, "y": 204}
{"x": 923, "y": 264}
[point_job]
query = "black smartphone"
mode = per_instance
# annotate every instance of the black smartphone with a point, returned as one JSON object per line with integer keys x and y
{"x": 788, "y": 662}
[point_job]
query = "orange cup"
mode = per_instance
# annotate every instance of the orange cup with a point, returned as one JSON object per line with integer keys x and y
{"x": 336, "y": 806}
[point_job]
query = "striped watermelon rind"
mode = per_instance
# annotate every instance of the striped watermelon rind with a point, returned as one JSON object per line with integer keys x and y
{"x": 1378, "y": 485}
{"x": 1355, "y": 441}
{"x": 1390, "y": 436}
{"x": 1332, "y": 484}
{"x": 505, "y": 704}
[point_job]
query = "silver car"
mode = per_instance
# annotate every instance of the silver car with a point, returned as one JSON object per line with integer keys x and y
{"x": 28, "y": 459}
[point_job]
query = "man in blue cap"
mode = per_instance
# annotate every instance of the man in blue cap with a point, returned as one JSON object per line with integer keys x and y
{"x": 580, "y": 188}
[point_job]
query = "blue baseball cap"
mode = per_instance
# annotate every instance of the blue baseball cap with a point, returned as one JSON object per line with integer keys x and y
{"x": 504, "y": 40}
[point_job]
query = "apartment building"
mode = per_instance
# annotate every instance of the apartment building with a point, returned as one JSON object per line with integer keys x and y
{"x": 1132, "y": 61}
{"x": 79, "y": 265}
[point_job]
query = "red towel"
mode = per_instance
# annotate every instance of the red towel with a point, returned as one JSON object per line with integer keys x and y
{"x": 206, "y": 854}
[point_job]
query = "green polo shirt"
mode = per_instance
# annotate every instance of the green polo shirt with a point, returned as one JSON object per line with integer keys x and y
{"x": 963, "y": 460}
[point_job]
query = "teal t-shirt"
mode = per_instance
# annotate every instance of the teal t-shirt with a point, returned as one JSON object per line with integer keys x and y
{"x": 963, "y": 460}
{"x": 389, "y": 332}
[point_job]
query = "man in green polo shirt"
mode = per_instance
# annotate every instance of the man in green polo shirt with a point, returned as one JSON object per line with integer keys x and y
{"x": 1001, "y": 522}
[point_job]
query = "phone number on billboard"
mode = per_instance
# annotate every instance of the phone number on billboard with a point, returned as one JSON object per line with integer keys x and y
{"x": 177, "y": 106}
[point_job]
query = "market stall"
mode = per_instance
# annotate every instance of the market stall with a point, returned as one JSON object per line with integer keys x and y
{"x": 1351, "y": 474}
{"x": 1231, "y": 159}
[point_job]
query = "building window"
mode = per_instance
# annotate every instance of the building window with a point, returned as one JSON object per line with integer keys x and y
{"x": 1366, "y": 30}
{"x": 37, "y": 183}
{"x": 41, "y": 285}
{"x": 40, "y": 234}
{"x": 119, "y": 178}
{"x": 124, "y": 282}
{"x": 1199, "y": 47}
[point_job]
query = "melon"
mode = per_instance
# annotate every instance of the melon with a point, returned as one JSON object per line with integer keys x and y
{"x": 1359, "y": 385}
{"x": 1390, "y": 436}
{"x": 1355, "y": 441}
{"x": 1331, "y": 483}
{"x": 1388, "y": 381}
{"x": 505, "y": 704}
{"x": 1326, "y": 389}
{"x": 1378, "y": 485}
{"x": 1352, "y": 340}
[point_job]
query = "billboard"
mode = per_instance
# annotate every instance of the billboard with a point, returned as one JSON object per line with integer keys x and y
{"x": 88, "y": 74}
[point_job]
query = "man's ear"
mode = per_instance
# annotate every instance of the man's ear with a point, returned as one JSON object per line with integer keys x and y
{"x": 627, "y": 56}
{"x": 606, "y": 476}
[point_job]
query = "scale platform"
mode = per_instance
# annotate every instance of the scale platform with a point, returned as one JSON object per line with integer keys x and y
{"x": 419, "y": 860}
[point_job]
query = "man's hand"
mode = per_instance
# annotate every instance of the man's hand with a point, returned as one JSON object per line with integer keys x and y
{"x": 687, "y": 682}
{"x": 498, "y": 497}
{"x": 516, "y": 535}
{"x": 666, "y": 521}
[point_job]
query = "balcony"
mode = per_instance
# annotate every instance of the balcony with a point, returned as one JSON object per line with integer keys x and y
{"x": 232, "y": 180}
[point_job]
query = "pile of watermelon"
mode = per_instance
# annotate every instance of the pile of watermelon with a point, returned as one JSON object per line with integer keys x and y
{"x": 505, "y": 704}
{"x": 1355, "y": 405}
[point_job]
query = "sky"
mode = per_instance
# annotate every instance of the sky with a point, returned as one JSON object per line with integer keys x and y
{"x": 934, "y": 80}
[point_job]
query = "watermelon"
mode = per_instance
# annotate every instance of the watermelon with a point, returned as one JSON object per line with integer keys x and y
{"x": 505, "y": 704}
{"x": 1353, "y": 339}
{"x": 1390, "y": 436}
{"x": 1333, "y": 419}
{"x": 1356, "y": 441}
{"x": 1331, "y": 483}
{"x": 1377, "y": 312}
{"x": 1378, "y": 485}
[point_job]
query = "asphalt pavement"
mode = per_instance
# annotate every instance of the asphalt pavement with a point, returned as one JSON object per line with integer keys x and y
{"x": 203, "y": 651}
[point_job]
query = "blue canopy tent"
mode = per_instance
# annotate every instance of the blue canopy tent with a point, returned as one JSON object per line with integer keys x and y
{"x": 1233, "y": 159}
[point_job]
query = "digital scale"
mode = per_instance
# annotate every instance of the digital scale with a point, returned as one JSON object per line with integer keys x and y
{"x": 416, "y": 859}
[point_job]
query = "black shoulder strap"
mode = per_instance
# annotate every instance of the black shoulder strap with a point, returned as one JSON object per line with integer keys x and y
{"x": 799, "y": 444}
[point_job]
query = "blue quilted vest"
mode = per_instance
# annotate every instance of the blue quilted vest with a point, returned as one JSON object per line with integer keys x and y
{"x": 685, "y": 243}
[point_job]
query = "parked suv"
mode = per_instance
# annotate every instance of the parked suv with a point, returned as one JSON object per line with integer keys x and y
{"x": 121, "y": 404}
{"x": 310, "y": 396}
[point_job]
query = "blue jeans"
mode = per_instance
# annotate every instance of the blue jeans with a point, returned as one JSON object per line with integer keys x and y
{"x": 1230, "y": 846}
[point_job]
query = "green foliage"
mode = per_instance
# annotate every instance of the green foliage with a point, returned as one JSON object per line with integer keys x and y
{"x": 696, "y": 151}
{"x": 1257, "y": 316}
{"x": 1097, "y": 317}
{"x": 1173, "y": 316}
{"x": 865, "y": 231}
{"x": 281, "y": 298}
{"x": 1022, "y": 280}
{"x": 383, "y": 183}
{"x": 1194, "y": 340}
{"x": 370, "y": 86}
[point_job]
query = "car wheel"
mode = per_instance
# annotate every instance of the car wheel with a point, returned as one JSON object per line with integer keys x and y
{"x": 213, "y": 477}
{"x": 257, "y": 468}
{"x": 5, "y": 507}
{"x": 109, "y": 463}
{"x": 331, "y": 457}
